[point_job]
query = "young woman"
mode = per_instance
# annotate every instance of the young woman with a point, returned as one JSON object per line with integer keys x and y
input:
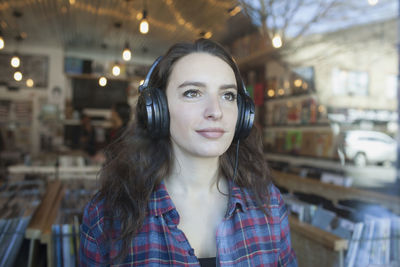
{"x": 178, "y": 189}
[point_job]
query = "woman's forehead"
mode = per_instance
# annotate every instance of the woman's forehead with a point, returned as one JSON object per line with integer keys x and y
{"x": 201, "y": 64}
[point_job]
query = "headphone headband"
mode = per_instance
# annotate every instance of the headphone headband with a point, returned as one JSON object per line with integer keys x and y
{"x": 147, "y": 79}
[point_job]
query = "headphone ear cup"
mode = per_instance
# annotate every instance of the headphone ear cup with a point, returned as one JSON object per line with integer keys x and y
{"x": 246, "y": 112}
{"x": 239, "y": 122}
{"x": 153, "y": 112}
{"x": 145, "y": 110}
{"x": 162, "y": 118}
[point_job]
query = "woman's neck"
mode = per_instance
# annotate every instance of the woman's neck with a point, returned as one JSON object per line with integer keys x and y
{"x": 192, "y": 175}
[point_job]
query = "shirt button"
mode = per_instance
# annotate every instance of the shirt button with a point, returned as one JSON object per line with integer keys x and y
{"x": 191, "y": 252}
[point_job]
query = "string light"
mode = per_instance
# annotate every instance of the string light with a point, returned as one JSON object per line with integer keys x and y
{"x": 15, "y": 61}
{"x": 126, "y": 54}
{"x": 234, "y": 11}
{"x": 116, "y": 70}
{"x": 208, "y": 35}
{"x": 271, "y": 92}
{"x": 372, "y": 2}
{"x": 17, "y": 76}
{"x": 2, "y": 43}
{"x": 298, "y": 83}
{"x": 29, "y": 82}
{"x": 103, "y": 81}
{"x": 277, "y": 41}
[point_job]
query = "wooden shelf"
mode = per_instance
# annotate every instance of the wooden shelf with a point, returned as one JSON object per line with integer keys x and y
{"x": 298, "y": 160}
{"x": 320, "y": 236}
{"x": 333, "y": 192}
{"x": 304, "y": 127}
{"x": 298, "y": 97}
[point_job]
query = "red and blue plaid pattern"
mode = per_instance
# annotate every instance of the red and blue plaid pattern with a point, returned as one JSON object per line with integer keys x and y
{"x": 246, "y": 237}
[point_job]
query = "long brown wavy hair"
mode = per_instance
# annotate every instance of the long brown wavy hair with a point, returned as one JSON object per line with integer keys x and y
{"x": 136, "y": 163}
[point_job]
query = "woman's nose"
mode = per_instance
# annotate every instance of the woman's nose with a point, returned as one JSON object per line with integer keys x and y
{"x": 213, "y": 108}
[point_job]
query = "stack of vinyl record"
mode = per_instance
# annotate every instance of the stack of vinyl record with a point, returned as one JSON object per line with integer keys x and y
{"x": 18, "y": 200}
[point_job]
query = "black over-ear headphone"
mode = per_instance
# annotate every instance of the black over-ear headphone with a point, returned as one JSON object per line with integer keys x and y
{"x": 153, "y": 109}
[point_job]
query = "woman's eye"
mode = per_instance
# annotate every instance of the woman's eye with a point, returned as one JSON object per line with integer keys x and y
{"x": 229, "y": 96}
{"x": 191, "y": 93}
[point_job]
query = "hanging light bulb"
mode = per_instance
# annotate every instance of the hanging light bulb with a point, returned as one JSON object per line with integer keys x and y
{"x": 15, "y": 61}
{"x": 17, "y": 76}
{"x": 277, "y": 41}
{"x": 126, "y": 54}
{"x": 1, "y": 41}
{"x": 116, "y": 70}
{"x": 208, "y": 35}
{"x": 144, "y": 24}
{"x": 372, "y": 2}
{"x": 234, "y": 10}
{"x": 29, "y": 82}
{"x": 103, "y": 81}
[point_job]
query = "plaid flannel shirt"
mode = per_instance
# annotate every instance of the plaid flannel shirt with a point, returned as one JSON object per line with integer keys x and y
{"x": 246, "y": 237}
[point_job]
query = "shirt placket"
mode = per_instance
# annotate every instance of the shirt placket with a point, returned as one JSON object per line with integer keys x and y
{"x": 179, "y": 238}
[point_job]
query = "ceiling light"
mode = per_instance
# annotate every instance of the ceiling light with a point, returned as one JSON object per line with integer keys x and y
{"x": 126, "y": 54}
{"x": 298, "y": 83}
{"x": 1, "y": 41}
{"x": 18, "y": 76}
{"x": 72, "y": 2}
{"x": 103, "y": 81}
{"x": 29, "y": 82}
{"x": 15, "y": 61}
{"x": 372, "y": 2}
{"x": 277, "y": 41}
{"x": 208, "y": 35}
{"x": 116, "y": 70}
{"x": 234, "y": 10}
{"x": 271, "y": 92}
{"x": 144, "y": 24}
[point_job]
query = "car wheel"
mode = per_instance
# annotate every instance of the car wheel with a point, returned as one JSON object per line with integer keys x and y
{"x": 360, "y": 159}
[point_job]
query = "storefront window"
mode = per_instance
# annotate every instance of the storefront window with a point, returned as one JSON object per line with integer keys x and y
{"x": 331, "y": 129}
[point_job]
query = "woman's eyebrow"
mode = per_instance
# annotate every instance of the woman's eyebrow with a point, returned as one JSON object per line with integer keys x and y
{"x": 228, "y": 86}
{"x": 200, "y": 84}
{"x": 189, "y": 83}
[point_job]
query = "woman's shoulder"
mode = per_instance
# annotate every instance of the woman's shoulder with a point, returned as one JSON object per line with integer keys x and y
{"x": 274, "y": 197}
{"x": 94, "y": 212}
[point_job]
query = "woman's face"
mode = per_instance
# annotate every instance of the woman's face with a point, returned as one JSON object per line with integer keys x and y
{"x": 201, "y": 93}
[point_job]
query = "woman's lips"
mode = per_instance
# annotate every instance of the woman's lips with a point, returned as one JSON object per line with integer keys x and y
{"x": 211, "y": 133}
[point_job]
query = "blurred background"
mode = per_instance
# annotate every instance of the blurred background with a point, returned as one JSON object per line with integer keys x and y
{"x": 323, "y": 74}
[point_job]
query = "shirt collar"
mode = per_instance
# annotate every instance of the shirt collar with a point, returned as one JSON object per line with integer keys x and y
{"x": 160, "y": 202}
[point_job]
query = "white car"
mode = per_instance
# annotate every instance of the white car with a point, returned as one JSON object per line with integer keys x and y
{"x": 369, "y": 147}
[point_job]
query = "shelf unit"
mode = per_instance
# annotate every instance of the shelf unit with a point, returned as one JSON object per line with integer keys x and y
{"x": 307, "y": 239}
